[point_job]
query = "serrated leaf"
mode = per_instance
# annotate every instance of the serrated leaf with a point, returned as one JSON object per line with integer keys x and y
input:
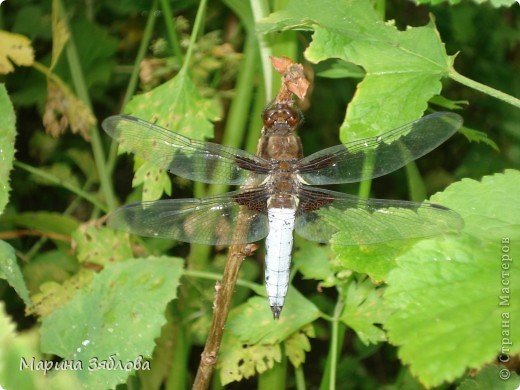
{"x": 452, "y": 291}
{"x": 238, "y": 360}
{"x": 253, "y": 321}
{"x": 16, "y": 48}
{"x": 10, "y": 271}
{"x": 54, "y": 295}
{"x": 7, "y": 135}
{"x": 178, "y": 106}
{"x": 313, "y": 261}
{"x": 490, "y": 208}
{"x": 120, "y": 314}
{"x": 364, "y": 310}
{"x": 298, "y": 343}
{"x": 101, "y": 245}
{"x": 155, "y": 181}
{"x": 395, "y": 90}
{"x": 478, "y": 136}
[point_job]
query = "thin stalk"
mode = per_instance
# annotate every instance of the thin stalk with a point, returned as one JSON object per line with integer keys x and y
{"x": 72, "y": 188}
{"x": 334, "y": 344}
{"x": 416, "y": 186}
{"x": 134, "y": 77}
{"x": 453, "y": 74}
{"x": 171, "y": 30}
{"x": 81, "y": 89}
{"x": 299, "y": 378}
{"x": 260, "y": 10}
{"x": 240, "y": 106}
{"x": 194, "y": 34}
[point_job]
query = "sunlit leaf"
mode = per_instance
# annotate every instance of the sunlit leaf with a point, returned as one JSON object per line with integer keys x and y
{"x": 155, "y": 181}
{"x": 297, "y": 344}
{"x": 239, "y": 361}
{"x": 403, "y": 68}
{"x": 458, "y": 290}
{"x": 53, "y": 295}
{"x": 14, "y": 48}
{"x": 253, "y": 321}
{"x": 101, "y": 245}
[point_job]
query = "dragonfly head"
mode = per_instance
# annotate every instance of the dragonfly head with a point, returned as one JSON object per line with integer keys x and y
{"x": 281, "y": 118}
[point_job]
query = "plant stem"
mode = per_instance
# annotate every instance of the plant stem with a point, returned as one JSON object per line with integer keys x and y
{"x": 260, "y": 10}
{"x": 483, "y": 88}
{"x": 334, "y": 343}
{"x": 58, "y": 181}
{"x": 81, "y": 89}
{"x": 132, "y": 83}
{"x": 172, "y": 32}
{"x": 193, "y": 38}
{"x": 416, "y": 186}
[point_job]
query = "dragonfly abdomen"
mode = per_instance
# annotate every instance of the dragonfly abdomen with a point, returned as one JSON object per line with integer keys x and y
{"x": 278, "y": 246}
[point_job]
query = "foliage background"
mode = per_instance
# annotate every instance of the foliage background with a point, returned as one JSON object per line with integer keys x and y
{"x": 61, "y": 266}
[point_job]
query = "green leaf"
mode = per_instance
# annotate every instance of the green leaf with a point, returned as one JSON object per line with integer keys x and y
{"x": 478, "y": 136}
{"x": 101, "y": 245}
{"x": 17, "y": 348}
{"x": 403, "y": 68}
{"x": 298, "y": 343}
{"x": 53, "y": 295}
{"x": 491, "y": 377}
{"x": 364, "y": 310}
{"x": 155, "y": 181}
{"x": 455, "y": 290}
{"x": 120, "y": 315}
{"x": 253, "y": 321}
{"x": 53, "y": 265}
{"x": 238, "y": 360}
{"x": 10, "y": 271}
{"x": 178, "y": 106}
{"x": 374, "y": 260}
{"x": 313, "y": 261}
{"x": 45, "y": 221}
{"x": 7, "y": 134}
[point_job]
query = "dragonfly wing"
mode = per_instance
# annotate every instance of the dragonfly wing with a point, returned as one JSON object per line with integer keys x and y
{"x": 195, "y": 160}
{"x": 360, "y": 221}
{"x": 217, "y": 220}
{"x": 377, "y": 156}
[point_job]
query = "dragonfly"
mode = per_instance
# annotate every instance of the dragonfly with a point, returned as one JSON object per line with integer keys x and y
{"x": 276, "y": 196}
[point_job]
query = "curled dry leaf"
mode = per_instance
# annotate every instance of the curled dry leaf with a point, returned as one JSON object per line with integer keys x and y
{"x": 293, "y": 79}
{"x": 14, "y": 48}
{"x": 64, "y": 109}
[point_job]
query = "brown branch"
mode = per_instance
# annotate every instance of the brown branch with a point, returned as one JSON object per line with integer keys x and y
{"x": 6, "y": 235}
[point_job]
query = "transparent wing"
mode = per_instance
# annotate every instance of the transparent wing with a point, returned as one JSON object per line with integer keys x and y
{"x": 195, "y": 160}
{"x": 213, "y": 220}
{"x": 360, "y": 221}
{"x": 383, "y": 154}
